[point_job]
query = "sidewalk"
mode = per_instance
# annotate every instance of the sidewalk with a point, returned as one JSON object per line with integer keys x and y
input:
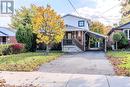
{"x": 63, "y": 80}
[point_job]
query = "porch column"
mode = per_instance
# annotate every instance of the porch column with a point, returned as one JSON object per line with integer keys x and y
{"x": 84, "y": 38}
{"x": 105, "y": 47}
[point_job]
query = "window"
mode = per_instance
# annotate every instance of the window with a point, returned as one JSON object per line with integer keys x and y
{"x": 127, "y": 33}
{"x": 81, "y": 24}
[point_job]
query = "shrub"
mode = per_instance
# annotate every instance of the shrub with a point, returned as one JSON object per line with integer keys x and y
{"x": 56, "y": 46}
{"x": 17, "y": 48}
{"x": 123, "y": 43}
{"x": 3, "y": 48}
{"x": 25, "y": 36}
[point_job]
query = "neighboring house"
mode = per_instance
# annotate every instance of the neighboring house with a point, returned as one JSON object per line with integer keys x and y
{"x": 7, "y": 35}
{"x": 123, "y": 28}
{"x": 77, "y": 35}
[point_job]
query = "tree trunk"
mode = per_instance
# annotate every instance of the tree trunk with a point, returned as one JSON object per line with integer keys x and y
{"x": 47, "y": 49}
{"x": 116, "y": 46}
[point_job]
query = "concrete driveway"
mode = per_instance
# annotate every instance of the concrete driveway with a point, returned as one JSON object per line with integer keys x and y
{"x": 91, "y": 62}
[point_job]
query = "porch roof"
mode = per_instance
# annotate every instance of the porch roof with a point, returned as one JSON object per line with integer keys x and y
{"x": 3, "y": 34}
{"x": 96, "y": 34}
{"x": 7, "y": 31}
{"x": 73, "y": 28}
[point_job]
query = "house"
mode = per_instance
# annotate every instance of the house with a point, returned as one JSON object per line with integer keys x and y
{"x": 7, "y": 35}
{"x": 77, "y": 35}
{"x": 123, "y": 28}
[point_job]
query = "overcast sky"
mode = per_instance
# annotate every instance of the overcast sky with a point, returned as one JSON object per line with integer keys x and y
{"x": 105, "y": 11}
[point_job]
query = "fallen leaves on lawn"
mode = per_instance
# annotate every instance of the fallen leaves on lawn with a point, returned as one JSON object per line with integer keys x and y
{"x": 116, "y": 62}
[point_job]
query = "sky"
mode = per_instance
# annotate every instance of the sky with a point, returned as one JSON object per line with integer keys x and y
{"x": 105, "y": 11}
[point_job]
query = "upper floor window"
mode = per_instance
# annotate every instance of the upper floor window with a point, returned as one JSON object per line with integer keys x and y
{"x": 81, "y": 23}
{"x": 127, "y": 33}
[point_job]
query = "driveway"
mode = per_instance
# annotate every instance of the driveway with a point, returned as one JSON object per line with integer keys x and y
{"x": 91, "y": 62}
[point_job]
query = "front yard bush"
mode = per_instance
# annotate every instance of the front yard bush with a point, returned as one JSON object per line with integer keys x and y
{"x": 3, "y": 48}
{"x": 7, "y": 49}
{"x": 17, "y": 48}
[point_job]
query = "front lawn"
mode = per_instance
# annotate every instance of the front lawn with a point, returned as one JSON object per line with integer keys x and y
{"x": 26, "y": 61}
{"x": 120, "y": 61}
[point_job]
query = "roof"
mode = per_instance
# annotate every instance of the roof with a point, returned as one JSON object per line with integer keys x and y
{"x": 96, "y": 34}
{"x": 7, "y": 31}
{"x": 73, "y": 28}
{"x": 2, "y": 34}
{"x": 76, "y": 16}
{"x": 124, "y": 26}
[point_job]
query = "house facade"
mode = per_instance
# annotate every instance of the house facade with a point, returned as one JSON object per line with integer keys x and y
{"x": 77, "y": 35}
{"x": 125, "y": 28}
{"x": 7, "y": 35}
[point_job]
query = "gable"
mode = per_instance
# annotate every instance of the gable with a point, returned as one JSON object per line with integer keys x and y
{"x": 124, "y": 26}
{"x": 73, "y": 20}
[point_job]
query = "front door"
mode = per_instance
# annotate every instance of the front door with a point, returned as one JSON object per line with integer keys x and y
{"x": 68, "y": 35}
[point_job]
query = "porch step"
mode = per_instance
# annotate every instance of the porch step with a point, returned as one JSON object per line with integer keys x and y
{"x": 71, "y": 48}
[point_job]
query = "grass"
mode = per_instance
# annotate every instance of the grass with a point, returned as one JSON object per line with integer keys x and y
{"x": 26, "y": 61}
{"x": 121, "y": 60}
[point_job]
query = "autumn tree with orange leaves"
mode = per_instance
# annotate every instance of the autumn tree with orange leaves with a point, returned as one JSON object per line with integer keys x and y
{"x": 48, "y": 26}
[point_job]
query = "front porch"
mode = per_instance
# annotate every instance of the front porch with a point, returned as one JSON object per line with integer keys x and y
{"x": 79, "y": 39}
{"x": 73, "y": 41}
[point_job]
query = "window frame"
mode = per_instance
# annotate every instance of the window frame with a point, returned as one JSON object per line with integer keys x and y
{"x": 79, "y": 23}
{"x": 128, "y": 33}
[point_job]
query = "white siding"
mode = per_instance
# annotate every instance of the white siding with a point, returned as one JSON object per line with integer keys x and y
{"x": 73, "y": 21}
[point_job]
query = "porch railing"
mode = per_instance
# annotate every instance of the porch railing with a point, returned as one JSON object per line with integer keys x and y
{"x": 68, "y": 42}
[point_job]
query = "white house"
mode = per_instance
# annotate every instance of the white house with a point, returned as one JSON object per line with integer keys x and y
{"x": 77, "y": 35}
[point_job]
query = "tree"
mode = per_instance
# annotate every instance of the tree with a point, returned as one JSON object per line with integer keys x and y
{"x": 124, "y": 40}
{"x": 22, "y": 21}
{"x": 97, "y": 27}
{"x": 125, "y": 11}
{"x": 48, "y": 26}
{"x": 116, "y": 38}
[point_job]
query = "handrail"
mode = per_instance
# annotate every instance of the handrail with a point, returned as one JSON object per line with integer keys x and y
{"x": 78, "y": 44}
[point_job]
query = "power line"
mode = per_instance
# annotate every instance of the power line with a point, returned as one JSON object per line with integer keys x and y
{"x": 99, "y": 16}
{"x": 73, "y": 7}
{"x": 111, "y": 8}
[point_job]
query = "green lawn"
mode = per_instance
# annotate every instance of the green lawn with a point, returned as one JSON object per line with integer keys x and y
{"x": 26, "y": 61}
{"x": 120, "y": 59}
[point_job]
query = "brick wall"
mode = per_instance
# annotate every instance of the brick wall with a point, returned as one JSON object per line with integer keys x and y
{"x": 11, "y": 39}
